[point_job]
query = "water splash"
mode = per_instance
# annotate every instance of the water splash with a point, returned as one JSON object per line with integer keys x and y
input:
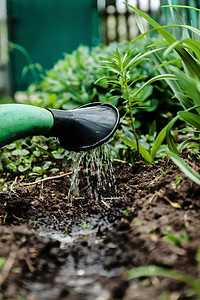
{"x": 98, "y": 173}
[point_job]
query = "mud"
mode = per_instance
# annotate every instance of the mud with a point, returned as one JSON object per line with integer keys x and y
{"x": 54, "y": 249}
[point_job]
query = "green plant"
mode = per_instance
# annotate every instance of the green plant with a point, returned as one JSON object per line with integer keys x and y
{"x": 187, "y": 170}
{"x": 186, "y": 88}
{"x": 177, "y": 181}
{"x": 177, "y": 240}
{"x": 192, "y": 283}
{"x": 70, "y": 83}
{"x": 85, "y": 226}
{"x": 2, "y": 261}
{"x": 126, "y": 214}
{"x": 33, "y": 68}
{"x": 152, "y": 270}
{"x": 122, "y": 66}
{"x": 31, "y": 157}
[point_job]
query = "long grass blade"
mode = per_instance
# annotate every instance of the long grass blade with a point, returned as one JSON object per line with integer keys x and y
{"x": 182, "y": 6}
{"x": 159, "y": 271}
{"x": 192, "y": 66}
{"x": 169, "y": 138}
{"x": 189, "y": 172}
{"x": 158, "y": 141}
{"x": 168, "y": 62}
{"x": 191, "y": 118}
{"x": 190, "y": 85}
{"x": 174, "y": 85}
{"x": 186, "y": 103}
{"x": 192, "y": 44}
{"x": 158, "y": 77}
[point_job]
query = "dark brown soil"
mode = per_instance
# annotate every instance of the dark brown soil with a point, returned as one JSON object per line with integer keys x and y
{"x": 81, "y": 250}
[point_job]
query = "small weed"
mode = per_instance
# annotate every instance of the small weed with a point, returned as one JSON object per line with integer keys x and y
{"x": 126, "y": 213}
{"x": 67, "y": 228}
{"x": 85, "y": 226}
{"x": 17, "y": 270}
{"x": 162, "y": 171}
{"x": 111, "y": 246}
{"x": 176, "y": 183}
{"x": 2, "y": 261}
{"x": 139, "y": 222}
{"x": 4, "y": 217}
{"x": 177, "y": 240}
{"x": 32, "y": 221}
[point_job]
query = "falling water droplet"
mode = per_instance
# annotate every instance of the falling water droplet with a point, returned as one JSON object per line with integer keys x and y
{"x": 98, "y": 173}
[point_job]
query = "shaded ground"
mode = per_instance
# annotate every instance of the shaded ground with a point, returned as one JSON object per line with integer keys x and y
{"x": 81, "y": 250}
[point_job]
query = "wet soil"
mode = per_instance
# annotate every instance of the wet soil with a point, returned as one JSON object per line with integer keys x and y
{"x": 52, "y": 248}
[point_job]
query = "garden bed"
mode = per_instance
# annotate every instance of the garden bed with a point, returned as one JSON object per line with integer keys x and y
{"x": 54, "y": 249}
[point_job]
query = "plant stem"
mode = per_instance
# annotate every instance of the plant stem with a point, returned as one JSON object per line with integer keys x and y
{"x": 128, "y": 96}
{"x": 28, "y": 59}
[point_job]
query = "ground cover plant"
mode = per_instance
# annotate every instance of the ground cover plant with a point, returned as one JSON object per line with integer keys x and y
{"x": 145, "y": 225}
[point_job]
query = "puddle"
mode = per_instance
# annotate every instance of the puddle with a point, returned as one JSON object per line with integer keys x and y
{"x": 86, "y": 278}
{"x": 87, "y": 228}
{"x": 84, "y": 289}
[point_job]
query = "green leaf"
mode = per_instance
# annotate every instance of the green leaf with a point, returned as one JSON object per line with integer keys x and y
{"x": 193, "y": 44}
{"x": 11, "y": 167}
{"x": 52, "y": 100}
{"x": 2, "y": 261}
{"x": 152, "y": 129}
{"x": 21, "y": 152}
{"x": 168, "y": 63}
{"x": 191, "y": 118}
{"x": 146, "y": 92}
{"x": 170, "y": 142}
{"x": 47, "y": 165}
{"x": 145, "y": 154}
{"x": 174, "y": 239}
{"x": 190, "y": 85}
{"x": 23, "y": 168}
{"x": 169, "y": 138}
{"x": 160, "y": 138}
{"x": 54, "y": 170}
{"x": 194, "y": 176}
{"x": 189, "y": 61}
{"x": 159, "y": 271}
{"x": 38, "y": 170}
{"x": 158, "y": 77}
{"x": 181, "y": 6}
{"x": 186, "y": 103}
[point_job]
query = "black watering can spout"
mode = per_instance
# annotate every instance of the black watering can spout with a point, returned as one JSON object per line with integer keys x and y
{"x": 85, "y": 128}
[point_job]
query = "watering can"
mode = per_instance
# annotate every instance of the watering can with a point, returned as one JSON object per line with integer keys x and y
{"x": 81, "y": 129}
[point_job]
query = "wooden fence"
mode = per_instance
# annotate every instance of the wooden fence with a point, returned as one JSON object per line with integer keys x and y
{"x": 119, "y": 21}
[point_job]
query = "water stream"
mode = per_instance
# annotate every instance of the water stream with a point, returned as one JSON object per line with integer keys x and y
{"x": 98, "y": 172}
